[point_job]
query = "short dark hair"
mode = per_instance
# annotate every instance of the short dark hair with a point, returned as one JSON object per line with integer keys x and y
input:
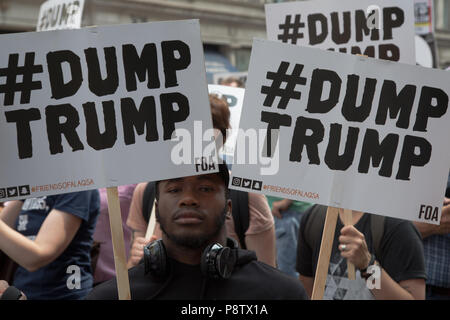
{"x": 220, "y": 113}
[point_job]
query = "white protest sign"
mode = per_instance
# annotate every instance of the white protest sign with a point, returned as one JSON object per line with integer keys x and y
{"x": 60, "y": 14}
{"x": 381, "y": 29}
{"x": 356, "y": 133}
{"x": 218, "y": 78}
{"x": 424, "y": 16}
{"x": 234, "y": 97}
{"x": 97, "y": 107}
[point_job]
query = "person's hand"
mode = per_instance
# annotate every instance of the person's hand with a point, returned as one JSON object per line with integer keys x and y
{"x": 446, "y": 201}
{"x": 4, "y": 285}
{"x": 279, "y": 206}
{"x": 444, "y": 227}
{"x": 137, "y": 250}
{"x": 353, "y": 247}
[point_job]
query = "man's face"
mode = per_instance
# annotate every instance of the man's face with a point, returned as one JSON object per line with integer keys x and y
{"x": 191, "y": 210}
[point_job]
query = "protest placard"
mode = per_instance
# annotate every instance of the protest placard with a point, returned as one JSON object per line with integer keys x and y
{"x": 425, "y": 42}
{"x": 353, "y": 132}
{"x": 97, "y": 107}
{"x": 60, "y": 14}
{"x": 234, "y": 97}
{"x": 381, "y": 29}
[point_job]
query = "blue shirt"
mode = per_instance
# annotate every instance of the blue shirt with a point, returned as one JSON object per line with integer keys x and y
{"x": 437, "y": 260}
{"x": 70, "y": 275}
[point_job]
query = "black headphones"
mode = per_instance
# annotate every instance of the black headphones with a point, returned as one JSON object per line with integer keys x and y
{"x": 217, "y": 262}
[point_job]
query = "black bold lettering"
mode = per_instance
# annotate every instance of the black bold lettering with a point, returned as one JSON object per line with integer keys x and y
{"x": 318, "y": 78}
{"x": 393, "y": 17}
{"x": 144, "y": 118}
{"x": 422, "y": 207}
{"x": 409, "y": 158}
{"x": 64, "y": 14}
{"x": 22, "y": 118}
{"x": 97, "y": 85}
{"x": 361, "y": 28}
{"x": 171, "y": 63}
{"x": 274, "y": 121}
{"x": 145, "y": 65}
{"x": 389, "y": 52}
{"x": 55, "y": 129}
{"x": 314, "y": 37}
{"x": 428, "y": 212}
{"x": 399, "y": 105}
{"x": 338, "y": 36}
{"x": 95, "y": 139}
{"x": 427, "y": 109}
{"x": 300, "y": 139}
{"x": 349, "y": 109}
{"x": 342, "y": 162}
{"x": 60, "y": 89}
{"x": 435, "y": 214}
{"x": 169, "y": 115}
{"x": 373, "y": 150}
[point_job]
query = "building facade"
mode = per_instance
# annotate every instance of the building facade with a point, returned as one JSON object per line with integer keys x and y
{"x": 227, "y": 26}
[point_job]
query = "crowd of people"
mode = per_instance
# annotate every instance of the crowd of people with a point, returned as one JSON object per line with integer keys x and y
{"x": 210, "y": 242}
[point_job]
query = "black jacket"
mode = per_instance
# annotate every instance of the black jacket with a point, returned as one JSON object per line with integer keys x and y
{"x": 250, "y": 280}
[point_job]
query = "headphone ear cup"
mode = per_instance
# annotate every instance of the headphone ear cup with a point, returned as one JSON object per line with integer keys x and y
{"x": 217, "y": 262}
{"x": 207, "y": 263}
{"x": 155, "y": 259}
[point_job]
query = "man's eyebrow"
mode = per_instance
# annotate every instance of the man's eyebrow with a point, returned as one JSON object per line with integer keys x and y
{"x": 172, "y": 180}
{"x": 209, "y": 177}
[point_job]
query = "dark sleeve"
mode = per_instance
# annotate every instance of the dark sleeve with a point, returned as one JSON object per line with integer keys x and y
{"x": 104, "y": 291}
{"x": 402, "y": 251}
{"x": 79, "y": 204}
{"x": 304, "y": 251}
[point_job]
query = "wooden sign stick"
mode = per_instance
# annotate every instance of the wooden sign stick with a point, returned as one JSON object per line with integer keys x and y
{"x": 151, "y": 224}
{"x": 325, "y": 253}
{"x": 348, "y": 220}
{"x": 120, "y": 257}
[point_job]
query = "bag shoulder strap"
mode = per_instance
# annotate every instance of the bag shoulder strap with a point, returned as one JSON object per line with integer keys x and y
{"x": 240, "y": 211}
{"x": 377, "y": 229}
{"x": 314, "y": 225}
{"x": 148, "y": 199}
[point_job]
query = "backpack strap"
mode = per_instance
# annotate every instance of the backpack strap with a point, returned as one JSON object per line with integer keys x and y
{"x": 377, "y": 229}
{"x": 240, "y": 213}
{"x": 148, "y": 199}
{"x": 314, "y": 225}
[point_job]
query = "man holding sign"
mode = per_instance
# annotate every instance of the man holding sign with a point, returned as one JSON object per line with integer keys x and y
{"x": 195, "y": 259}
{"x": 388, "y": 253}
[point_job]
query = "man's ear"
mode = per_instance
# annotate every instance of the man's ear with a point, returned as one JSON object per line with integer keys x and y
{"x": 156, "y": 210}
{"x": 229, "y": 206}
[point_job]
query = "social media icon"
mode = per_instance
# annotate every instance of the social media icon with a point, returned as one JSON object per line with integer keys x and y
{"x": 2, "y": 193}
{"x": 12, "y": 191}
{"x": 247, "y": 183}
{"x": 236, "y": 181}
{"x": 24, "y": 190}
{"x": 257, "y": 185}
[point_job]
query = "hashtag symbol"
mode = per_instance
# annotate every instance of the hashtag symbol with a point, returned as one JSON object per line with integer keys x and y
{"x": 288, "y": 26}
{"x": 288, "y": 93}
{"x": 26, "y": 71}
